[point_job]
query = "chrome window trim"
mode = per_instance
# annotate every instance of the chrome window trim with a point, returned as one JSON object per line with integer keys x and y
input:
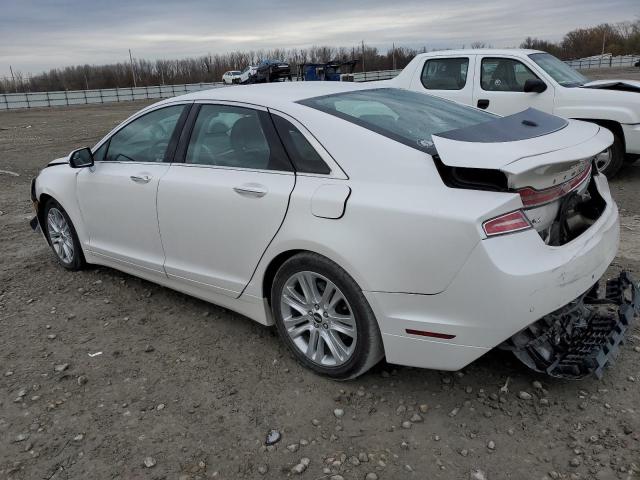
{"x": 241, "y": 169}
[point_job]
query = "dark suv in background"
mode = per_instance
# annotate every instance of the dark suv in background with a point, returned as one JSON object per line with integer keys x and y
{"x": 272, "y": 71}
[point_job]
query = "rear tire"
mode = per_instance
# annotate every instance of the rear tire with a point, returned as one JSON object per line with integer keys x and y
{"x": 324, "y": 318}
{"x": 610, "y": 161}
{"x": 62, "y": 236}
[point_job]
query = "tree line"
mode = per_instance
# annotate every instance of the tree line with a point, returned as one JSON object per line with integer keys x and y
{"x": 206, "y": 68}
{"x": 618, "y": 39}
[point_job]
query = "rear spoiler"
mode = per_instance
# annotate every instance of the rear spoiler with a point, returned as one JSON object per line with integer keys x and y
{"x": 525, "y": 125}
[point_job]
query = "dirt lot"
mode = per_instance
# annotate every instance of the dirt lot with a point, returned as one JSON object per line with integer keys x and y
{"x": 192, "y": 389}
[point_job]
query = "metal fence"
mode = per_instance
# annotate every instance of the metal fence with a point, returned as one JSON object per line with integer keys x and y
{"x": 10, "y": 101}
{"x": 604, "y": 61}
{"x": 373, "y": 76}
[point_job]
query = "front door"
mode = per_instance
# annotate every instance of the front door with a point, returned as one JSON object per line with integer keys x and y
{"x": 117, "y": 196}
{"x": 219, "y": 209}
{"x": 499, "y": 87}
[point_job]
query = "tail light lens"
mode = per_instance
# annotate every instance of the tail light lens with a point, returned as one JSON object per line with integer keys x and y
{"x": 533, "y": 198}
{"x": 507, "y": 223}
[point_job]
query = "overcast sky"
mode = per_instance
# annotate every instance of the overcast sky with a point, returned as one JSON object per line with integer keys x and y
{"x": 37, "y": 34}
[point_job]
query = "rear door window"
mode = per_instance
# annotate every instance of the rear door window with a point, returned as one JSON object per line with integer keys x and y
{"x": 304, "y": 157}
{"x": 445, "y": 73}
{"x": 230, "y": 136}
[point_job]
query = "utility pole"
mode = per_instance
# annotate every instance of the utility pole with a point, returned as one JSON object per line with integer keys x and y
{"x": 133, "y": 72}
{"x": 604, "y": 36}
{"x": 393, "y": 54}
{"x": 363, "y": 55}
{"x": 13, "y": 79}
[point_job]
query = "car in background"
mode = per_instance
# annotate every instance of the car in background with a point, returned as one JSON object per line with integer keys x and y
{"x": 246, "y": 75}
{"x": 269, "y": 71}
{"x": 507, "y": 81}
{"x": 362, "y": 221}
{"x": 232, "y": 76}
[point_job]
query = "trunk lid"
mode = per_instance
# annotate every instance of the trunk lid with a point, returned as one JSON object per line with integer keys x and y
{"x": 544, "y": 158}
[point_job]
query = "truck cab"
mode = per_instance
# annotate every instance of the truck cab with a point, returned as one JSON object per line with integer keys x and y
{"x": 511, "y": 80}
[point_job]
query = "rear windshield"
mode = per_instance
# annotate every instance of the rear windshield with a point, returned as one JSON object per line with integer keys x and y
{"x": 407, "y": 117}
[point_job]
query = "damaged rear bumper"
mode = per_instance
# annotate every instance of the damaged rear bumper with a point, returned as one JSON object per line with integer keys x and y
{"x": 582, "y": 337}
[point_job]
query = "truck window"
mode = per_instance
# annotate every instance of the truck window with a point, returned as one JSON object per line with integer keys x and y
{"x": 445, "y": 73}
{"x": 504, "y": 75}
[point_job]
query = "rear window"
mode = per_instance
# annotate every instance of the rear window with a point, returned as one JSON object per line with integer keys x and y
{"x": 445, "y": 73}
{"x": 407, "y": 117}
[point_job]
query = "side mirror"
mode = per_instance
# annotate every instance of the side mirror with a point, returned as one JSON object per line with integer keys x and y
{"x": 81, "y": 158}
{"x": 534, "y": 85}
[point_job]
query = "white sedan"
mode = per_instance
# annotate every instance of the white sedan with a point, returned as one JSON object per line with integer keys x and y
{"x": 230, "y": 77}
{"x": 363, "y": 222}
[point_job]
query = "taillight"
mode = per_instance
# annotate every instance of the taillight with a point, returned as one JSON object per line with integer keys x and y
{"x": 507, "y": 223}
{"x": 531, "y": 197}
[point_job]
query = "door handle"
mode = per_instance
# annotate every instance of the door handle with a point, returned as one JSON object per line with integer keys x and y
{"x": 483, "y": 103}
{"x": 140, "y": 178}
{"x": 251, "y": 190}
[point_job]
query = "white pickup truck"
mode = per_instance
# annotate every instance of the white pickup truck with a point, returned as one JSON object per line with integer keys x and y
{"x": 512, "y": 80}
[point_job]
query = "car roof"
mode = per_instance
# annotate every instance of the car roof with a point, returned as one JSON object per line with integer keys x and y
{"x": 479, "y": 51}
{"x": 277, "y": 95}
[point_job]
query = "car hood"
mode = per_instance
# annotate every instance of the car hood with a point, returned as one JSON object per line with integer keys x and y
{"x": 521, "y": 142}
{"x": 619, "y": 85}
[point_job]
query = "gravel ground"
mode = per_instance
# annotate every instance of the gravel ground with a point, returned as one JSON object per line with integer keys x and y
{"x": 103, "y": 375}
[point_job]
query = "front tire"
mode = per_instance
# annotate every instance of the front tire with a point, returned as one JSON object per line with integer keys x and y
{"x": 62, "y": 237}
{"x": 323, "y": 317}
{"x": 610, "y": 161}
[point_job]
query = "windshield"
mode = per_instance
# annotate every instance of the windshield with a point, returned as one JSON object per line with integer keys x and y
{"x": 407, "y": 117}
{"x": 558, "y": 70}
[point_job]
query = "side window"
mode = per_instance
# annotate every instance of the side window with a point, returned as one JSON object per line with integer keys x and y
{"x": 228, "y": 136}
{"x": 504, "y": 75}
{"x": 305, "y": 158}
{"x": 146, "y": 138}
{"x": 445, "y": 73}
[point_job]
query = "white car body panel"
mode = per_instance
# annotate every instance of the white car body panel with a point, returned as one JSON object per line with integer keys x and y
{"x": 219, "y": 252}
{"x": 414, "y": 246}
{"x": 120, "y": 214}
{"x": 594, "y": 104}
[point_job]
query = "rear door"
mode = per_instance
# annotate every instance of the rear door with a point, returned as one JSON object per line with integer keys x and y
{"x": 447, "y": 77}
{"x": 499, "y": 86}
{"x": 220, "y": 207}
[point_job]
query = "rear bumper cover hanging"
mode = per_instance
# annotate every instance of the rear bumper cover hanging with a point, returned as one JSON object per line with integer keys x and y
{"x": 582, "y": 337}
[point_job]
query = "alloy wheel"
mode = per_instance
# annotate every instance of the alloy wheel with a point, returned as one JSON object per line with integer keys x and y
{"x": 318, "y": 319}
{"x": 60, "y": 235}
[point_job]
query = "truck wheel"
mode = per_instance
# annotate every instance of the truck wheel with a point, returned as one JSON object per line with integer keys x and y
{"x": 610, "y": 161}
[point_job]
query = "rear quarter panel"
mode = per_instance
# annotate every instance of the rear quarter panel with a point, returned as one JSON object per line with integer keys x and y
{"x": 402, "y": 230}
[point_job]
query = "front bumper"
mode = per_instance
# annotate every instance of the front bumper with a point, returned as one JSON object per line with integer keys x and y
{"x": 632, "y": 138}
{"x": 35, "y": 225}
{"x": 506, "y": 284}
